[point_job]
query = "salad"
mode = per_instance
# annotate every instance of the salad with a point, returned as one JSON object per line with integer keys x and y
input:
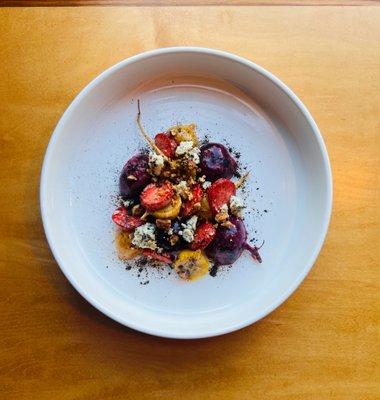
{"x": 179, "y": 204}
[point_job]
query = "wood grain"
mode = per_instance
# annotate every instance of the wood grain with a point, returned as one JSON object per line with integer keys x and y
{"x": 65, "y": 3}
{"x": 323, "y": 343}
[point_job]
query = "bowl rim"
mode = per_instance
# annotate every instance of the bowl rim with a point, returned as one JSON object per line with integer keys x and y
{"x": 328, "y": 195}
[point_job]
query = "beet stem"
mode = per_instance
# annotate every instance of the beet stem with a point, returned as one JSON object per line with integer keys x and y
{"x": 254, "y": 251}
{"x": 145, "y": 135}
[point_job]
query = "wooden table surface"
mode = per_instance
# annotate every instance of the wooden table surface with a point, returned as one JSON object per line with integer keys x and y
{"x": 323, "y": 343}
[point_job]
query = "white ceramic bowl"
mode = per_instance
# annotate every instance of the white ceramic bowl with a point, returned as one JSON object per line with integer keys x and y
{"x": 231, "y": 99}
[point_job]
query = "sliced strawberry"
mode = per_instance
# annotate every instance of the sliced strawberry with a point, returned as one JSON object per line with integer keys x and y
{"x": 188, "y": 206}
{"x": 163, "y": 257}
{"x": 166, "y": 144}
{"x": 125, "y": 221}
{"x": 203, "y": 236}
{"x": 219, "y": 193}
{"x": 154, "y": 196}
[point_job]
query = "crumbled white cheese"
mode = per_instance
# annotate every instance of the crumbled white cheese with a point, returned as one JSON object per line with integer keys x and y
{"x": 184, "y": 147}
{"x": 156, "y": 159}
{"x": 202, "y": 178}
{"x": 145, "y": 236}
{"x": 237, "y": 206}
{"x": 170, "y": 231}
{"x": 222, "y": 216}
{"x": 224, "y": 209}
{"x": 189, "y": 229}
{"x": 193, "y": 155}
{"x": 156, "y": 162}
{"x": 182, "y": 189}
{"x": 206, "y": 184}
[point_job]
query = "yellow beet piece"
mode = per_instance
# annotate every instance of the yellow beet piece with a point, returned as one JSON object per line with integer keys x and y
{"x": 184, "y": 133}
{"x": 124, "y": 247}
{"x": 191, "y": 265}
{"x": 171, "y": 211}
{"x": 205, "y": 211}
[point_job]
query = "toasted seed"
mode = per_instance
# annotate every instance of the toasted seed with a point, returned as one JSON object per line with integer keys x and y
{"x": 221, "y": 217}
{"x": 137, "y": 210}
{"x": 197, "y": 206}
{"x": 227, "y": 224}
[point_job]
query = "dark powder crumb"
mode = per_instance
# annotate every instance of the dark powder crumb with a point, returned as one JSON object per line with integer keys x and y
{"x": 214, "y": 270}
{"x": 265, "y": 211}
{"x": 205, "y": 140}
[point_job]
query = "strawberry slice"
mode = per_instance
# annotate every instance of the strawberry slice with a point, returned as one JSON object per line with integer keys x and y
{"x": 219, "y": 193}
{"x": 166, "y": 144}
{"x": 203, "y": 236}
{"x": 188, "y": 206}
{"x": 127, "y": 222}
{"x": 163, "y": 257}
{"x": 154, "y": 196}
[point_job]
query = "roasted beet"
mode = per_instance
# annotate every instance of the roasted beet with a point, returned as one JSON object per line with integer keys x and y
{"x": 228, "y": 243}
{"x": 163, "y": 257}
{"x": 157, "y": 196}
{"x": 189, "y": 206}
{"x": 219, "y": 193}
{"x": 167, "y": 242}
{"x": 203, "y": 236}
{"x": 127, "y": 222}
{"x": 166, "y": 144}
{"x": 164, "y": 240}
{"x": 217, "y": 162}
{"x": 134, "y": 176}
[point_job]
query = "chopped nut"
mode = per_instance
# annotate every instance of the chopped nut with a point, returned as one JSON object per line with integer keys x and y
{"x": 131, "y": 178}
{"x": 157, "y": 170}
{"x": 163, "y": 223}
{"x": 137, "y": 210}
{"x": 183, "y": 190}
{"x": 197, "y": 206}
{"x": 221, "y": 217}
{"x": 227, "y": 224}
